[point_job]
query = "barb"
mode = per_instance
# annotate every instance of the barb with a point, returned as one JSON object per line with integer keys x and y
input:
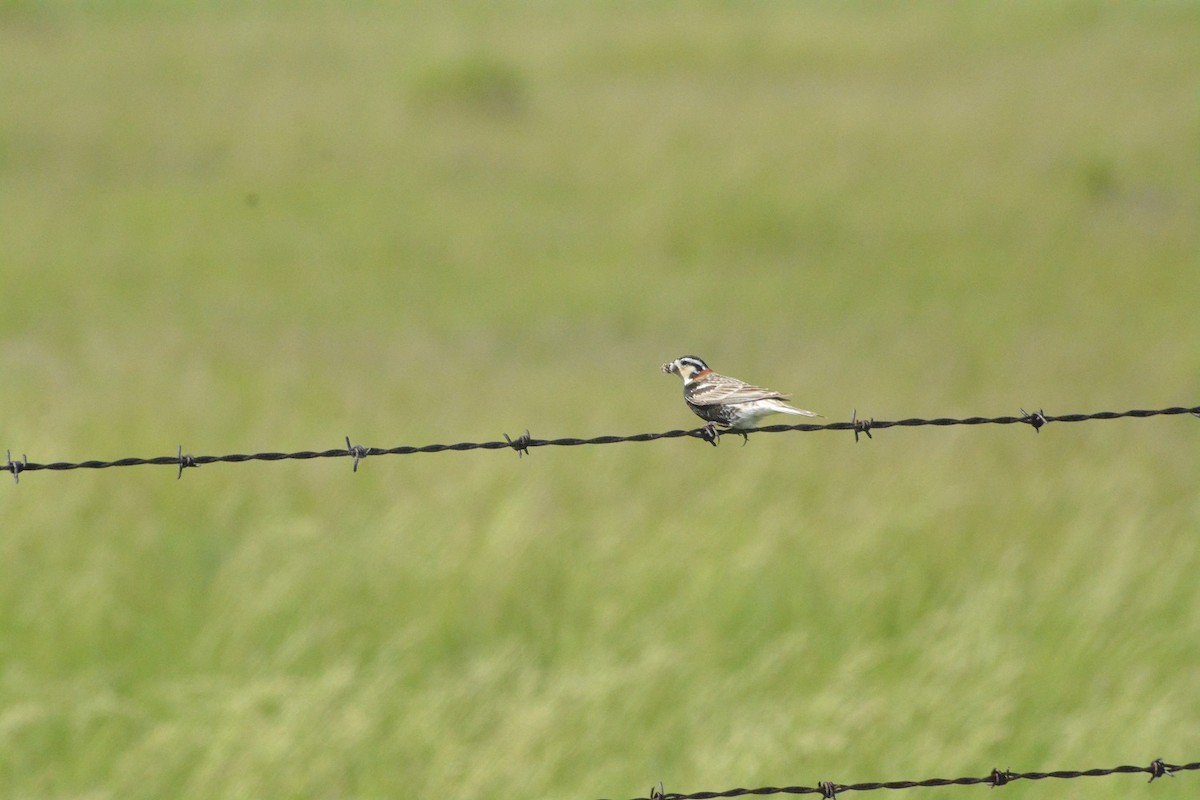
{"x": 15, "y": 467}
{"x": 860, "y": 425}
{"x": 1001, "y": 777}
{"x": 1036, "y": 418}
{"x": 357, "y": 451}
{"x": 184, "y": 461}
{"x": 997, "y": 777}
{"x": 523, "y": 443}
{"x": 1158, "y": 769}
{"x": 520, "y": 444}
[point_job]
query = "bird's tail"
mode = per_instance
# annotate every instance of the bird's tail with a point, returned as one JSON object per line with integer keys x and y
{"x": 784, "y": 408}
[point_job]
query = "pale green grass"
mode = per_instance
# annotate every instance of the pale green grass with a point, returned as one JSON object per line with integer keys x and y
{"x": 242, "y": 229}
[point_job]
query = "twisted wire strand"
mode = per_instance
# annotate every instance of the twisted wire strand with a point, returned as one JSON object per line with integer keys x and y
{"x": 998, "y": 777}
{"x": 523, "y": 443}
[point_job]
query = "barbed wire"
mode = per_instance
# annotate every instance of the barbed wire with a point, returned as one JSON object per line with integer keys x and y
{"x": 523, "y": 443}
{"x": 998, "y": 777}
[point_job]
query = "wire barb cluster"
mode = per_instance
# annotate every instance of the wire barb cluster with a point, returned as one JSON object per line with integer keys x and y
{"x": 15, "y": 467}
{"x": 357, "y": 451}
{"x": 998, "y": 777}
{"x": 522, "y": 444}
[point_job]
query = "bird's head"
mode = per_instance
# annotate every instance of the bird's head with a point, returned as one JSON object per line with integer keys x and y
{"x": 686, "y": 367}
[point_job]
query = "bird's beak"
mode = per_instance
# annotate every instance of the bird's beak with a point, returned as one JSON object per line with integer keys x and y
{"x": 669, "y": 367}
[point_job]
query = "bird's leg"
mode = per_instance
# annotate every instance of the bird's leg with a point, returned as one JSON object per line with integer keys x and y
{"x": 711, "y": 434}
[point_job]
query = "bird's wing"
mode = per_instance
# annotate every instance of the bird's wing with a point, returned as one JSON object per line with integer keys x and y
{"x": 717, "y": 390}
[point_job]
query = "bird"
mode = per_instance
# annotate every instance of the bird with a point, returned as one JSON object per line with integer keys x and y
{"x": 720, "y": 400}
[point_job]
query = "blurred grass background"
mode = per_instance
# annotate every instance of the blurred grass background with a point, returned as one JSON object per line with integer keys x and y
{"x": 266, "y": 226}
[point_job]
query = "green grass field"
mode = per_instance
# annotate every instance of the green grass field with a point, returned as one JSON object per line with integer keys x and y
{"x": 243, "y": 227}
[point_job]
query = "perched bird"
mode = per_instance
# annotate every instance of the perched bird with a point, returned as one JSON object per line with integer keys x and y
{"x": 726, "y": 401}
